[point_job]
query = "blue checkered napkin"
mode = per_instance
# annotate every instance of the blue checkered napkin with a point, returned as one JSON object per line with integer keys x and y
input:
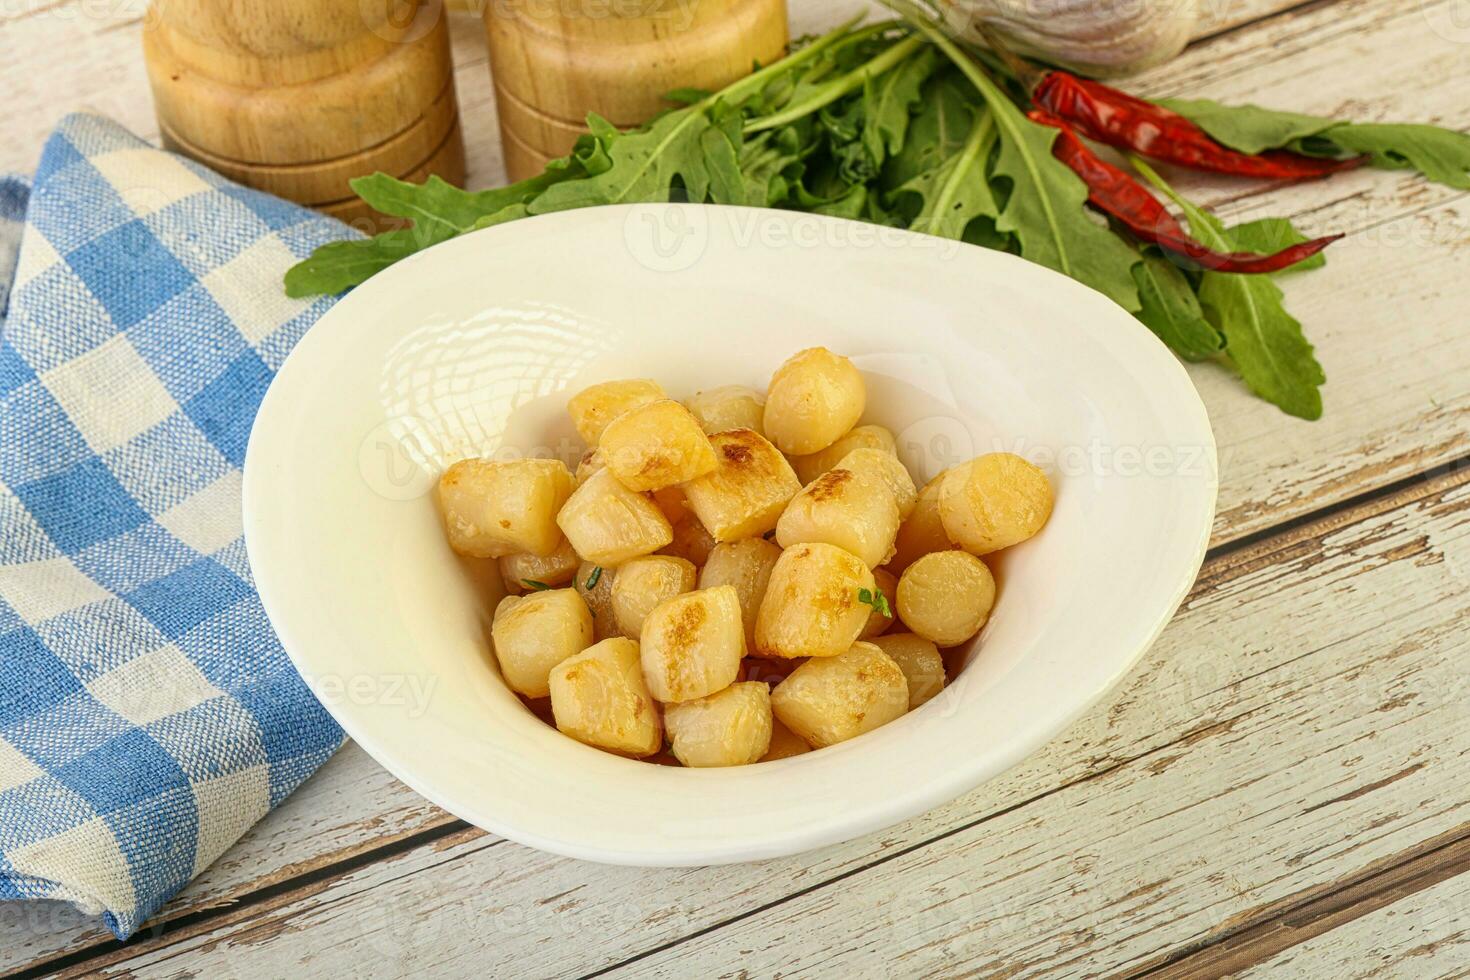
{"x": 148, "y": 715}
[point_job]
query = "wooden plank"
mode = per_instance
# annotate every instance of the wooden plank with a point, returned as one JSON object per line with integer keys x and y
{"x": 349, "y": 809}
{"x": 1426, "y": 935}
{"x": 1248, "y": 759}
{"x": 1350, "y": 911}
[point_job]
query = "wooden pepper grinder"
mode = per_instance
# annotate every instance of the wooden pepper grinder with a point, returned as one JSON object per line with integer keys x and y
{"x": 553, "y": 61}
{"x": 296, "y": 97}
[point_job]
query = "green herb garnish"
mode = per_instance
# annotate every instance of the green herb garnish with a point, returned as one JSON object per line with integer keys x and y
{"x": 593, "y": 577}
{"x": 531, "y": 583}
{"x": 876, "y": 599}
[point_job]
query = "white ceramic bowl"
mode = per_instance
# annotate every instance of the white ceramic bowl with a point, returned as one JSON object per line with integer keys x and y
{"x": 473, "y": 347}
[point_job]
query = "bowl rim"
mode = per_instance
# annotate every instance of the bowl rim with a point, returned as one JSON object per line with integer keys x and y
{"x": 275, "y": 412}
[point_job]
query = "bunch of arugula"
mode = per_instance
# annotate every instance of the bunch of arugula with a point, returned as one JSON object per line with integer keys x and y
{"x": 894, "y": 123}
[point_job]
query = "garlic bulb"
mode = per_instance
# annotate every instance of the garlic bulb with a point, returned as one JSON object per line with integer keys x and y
{"x": 1095, "y": 37}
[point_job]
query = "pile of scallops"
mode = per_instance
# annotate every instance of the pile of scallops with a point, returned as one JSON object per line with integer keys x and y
{"x": 735, "y": 578}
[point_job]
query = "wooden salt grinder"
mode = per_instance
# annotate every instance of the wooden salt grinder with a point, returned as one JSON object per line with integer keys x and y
{"x": 553, "y": 61}
{"x": 297, "y": 97}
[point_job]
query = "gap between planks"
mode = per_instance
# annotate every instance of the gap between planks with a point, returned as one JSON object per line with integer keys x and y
{"x": 1234, "y": 26}
{"x": 1296, "y": 919}
{"x": 1224, "y": 563}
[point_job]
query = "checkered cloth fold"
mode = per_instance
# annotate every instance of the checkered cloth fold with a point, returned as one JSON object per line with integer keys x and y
{"x": 148, "y": 715}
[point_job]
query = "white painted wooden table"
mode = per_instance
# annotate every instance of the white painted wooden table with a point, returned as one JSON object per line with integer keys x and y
{"x": 1282, "y": 788}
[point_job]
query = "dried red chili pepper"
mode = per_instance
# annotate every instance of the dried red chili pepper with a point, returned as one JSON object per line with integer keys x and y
{"x": 1115, "y": 192}
{"x": 1118, "y": 119}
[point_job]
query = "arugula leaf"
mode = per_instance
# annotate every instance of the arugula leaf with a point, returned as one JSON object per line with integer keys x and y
{"x": 673, "y": 150}
{"x": 721, "y": 145}
{"x": 821, "y": 185}
{"x": 814, "y": 92}
{"x": 842, "y": 120}
{"x": 843, "y": 125}
{"x": 439, "y": 211}
{"x": 1263, "y": 341}
{"x": 645, "y": 164}
{"x": 981, "y": 231}
{"x": 1442, "y": 155}
{"x": 1248, "y": 128}
{"x": 957, "y": 191}
{"x": 1045, "y": 209}
{"x": 938, "y": 130}
{"x": 851, "y": 204}
{"x": 687, "y": 96}
{"x": 889, "y": 102}
{"x": 336, "y": 266}
{"x": 1172, "y": 311}
{"x": 774, "y": 85}
{"x": 776, "y": 93}
{"x": 771, "y": 164}
{"x": 1265, "y": 236}
{"x": 875, "y": 210}
{"x": 590, "y": 152}
{"x": 500, "y": 217}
